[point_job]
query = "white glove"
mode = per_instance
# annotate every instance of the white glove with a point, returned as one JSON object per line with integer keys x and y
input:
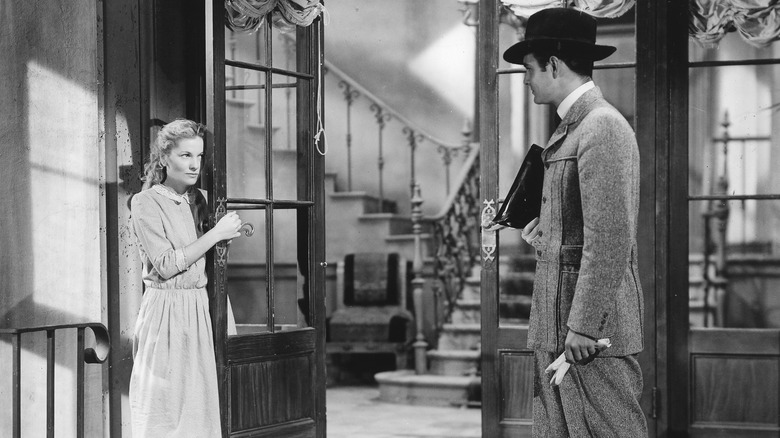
{"x": 560, "y": 366}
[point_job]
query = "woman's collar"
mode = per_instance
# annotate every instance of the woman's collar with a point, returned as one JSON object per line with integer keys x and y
{"x": 171, "y": 194}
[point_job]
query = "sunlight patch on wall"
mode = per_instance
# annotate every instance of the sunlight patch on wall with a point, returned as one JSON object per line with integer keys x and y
{"x": 448, "y": 65}
{"x": 64, "y": 187}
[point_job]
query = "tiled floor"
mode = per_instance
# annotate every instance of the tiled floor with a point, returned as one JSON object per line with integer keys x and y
{"x": 356, "y": 412}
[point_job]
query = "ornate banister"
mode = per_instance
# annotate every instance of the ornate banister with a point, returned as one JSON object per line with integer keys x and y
{"x": 415, "y": 136}
{"x": 456, "y": 236}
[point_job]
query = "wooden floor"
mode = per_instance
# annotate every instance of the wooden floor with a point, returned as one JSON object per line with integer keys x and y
{"x": 356, "y": 412}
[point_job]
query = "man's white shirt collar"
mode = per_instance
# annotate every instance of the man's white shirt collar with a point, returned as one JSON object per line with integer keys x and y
{"x": 566, "y": 104}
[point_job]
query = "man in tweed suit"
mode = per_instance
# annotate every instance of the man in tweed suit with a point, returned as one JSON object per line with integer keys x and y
{"x": 587, "y": 282}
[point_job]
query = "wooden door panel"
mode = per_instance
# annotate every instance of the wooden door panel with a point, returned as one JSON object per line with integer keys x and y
{"x": 271, "y": 377}
{"x": 515, "y": 374}
{"x": 271, "y": 392}
{"x": 516, "y": 369}
{"x": 294, "y": 429}
{"x": 247, "y": 347}
{"x": 735, "y": 378}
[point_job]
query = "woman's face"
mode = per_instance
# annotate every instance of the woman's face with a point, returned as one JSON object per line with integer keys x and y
{"x": 183, "y": 164}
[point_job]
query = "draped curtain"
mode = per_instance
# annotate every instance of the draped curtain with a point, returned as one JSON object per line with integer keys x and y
{"x": 596, "y": 8}
{"x": 248, "y": 15}
{"x": 757, "y": 21}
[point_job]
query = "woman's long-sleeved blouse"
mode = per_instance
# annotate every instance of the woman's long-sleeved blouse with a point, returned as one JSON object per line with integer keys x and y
{"x": 164, "y": 225}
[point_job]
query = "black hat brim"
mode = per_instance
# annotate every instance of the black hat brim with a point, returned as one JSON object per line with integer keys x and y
{"x": 580, "y": 49}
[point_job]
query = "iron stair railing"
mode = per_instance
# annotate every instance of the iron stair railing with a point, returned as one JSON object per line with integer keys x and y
{"x": 84, "y": 355}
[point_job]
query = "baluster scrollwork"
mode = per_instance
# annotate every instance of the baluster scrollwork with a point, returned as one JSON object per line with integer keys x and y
{"x": 350, "y": 94}
{"x": 413, "y": 138}
{"x": 382, "y": 117}
{"x": 456, "y": 240}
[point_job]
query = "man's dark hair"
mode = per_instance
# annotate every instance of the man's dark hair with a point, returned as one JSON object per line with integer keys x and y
{"x": 581, "y": 66}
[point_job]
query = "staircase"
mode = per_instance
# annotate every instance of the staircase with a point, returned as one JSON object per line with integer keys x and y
{"x": 453, "y": 377}
{"x": 453, "y": 367}
{"x": 356, "y": 222}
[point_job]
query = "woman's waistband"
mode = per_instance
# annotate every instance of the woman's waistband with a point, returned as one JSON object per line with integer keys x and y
{"x": 179, "y": 290}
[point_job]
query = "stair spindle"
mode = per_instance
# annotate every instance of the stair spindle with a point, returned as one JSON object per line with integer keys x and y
{"x": 420, "y": 345}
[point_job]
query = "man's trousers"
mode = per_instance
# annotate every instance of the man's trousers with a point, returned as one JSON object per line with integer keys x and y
{"x": 600, "y": 399}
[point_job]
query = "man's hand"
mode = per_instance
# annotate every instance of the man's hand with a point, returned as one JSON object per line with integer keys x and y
{"x": 579, "y": 347}
{"x": 531, "y": 232}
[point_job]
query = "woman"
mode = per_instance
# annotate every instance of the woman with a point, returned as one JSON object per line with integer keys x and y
{"x": 173, "y": 386}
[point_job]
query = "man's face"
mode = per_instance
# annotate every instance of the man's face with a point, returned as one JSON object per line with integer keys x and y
{"x": 540, "y": 81}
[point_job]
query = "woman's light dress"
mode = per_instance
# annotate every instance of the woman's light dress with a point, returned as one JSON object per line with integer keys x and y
{"x": 173, "y": 386}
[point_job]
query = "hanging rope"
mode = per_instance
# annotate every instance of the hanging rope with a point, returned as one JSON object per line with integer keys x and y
{"x": 320, "y": 126}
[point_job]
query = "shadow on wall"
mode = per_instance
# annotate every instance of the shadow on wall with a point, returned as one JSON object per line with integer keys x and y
{"x": 50, "y": 153}
{"x": 16, "y": 261}
{"x": 51, "y": 235}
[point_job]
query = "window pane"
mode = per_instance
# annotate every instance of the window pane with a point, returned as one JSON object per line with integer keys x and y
{"x": 516, "y": 280}
{"x": 284, "y": 146}
{"x": 246, "y": 139}
{"x": 291, "y": 302}
{"x": 246, "y": 47}
{"x": 284, "y": 49}
{"x": 733, "y": 125}
{"x": 744, "y": 114}
{"x": 734, "y": 269}
{"x": 246, "y": 274}
{"x": 731, "y": 48}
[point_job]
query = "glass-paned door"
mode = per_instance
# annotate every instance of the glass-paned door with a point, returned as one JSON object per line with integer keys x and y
{"x": 733, "y": 212}
{"x": 268, "y": 285}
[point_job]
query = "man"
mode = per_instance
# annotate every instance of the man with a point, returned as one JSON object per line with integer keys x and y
{"x": 587, "y": 282}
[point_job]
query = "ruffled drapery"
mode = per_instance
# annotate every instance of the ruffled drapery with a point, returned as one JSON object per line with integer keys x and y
{"x": 596, "y": 8}
{"x": 248, "y": 15}
{"x": 758, "y": 21}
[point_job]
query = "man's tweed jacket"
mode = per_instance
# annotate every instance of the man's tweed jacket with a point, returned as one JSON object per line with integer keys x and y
{"x": 587, "y": 278}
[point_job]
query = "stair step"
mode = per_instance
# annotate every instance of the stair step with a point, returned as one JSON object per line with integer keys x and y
{"x": 469, "y": 304}
{"x": 524, "y": 263}
{"x": 472, "y": 290}
{"x": 467, "y": 312}
{"x": 517, "y": 283}
{"x": 427, "y": 389}
{"x": 407, "y": 237}
{"x": 514, "y": 307}
{"x": 331, "y": 182}
{"x": 371, "y": 204}
{"x": 397, "y": 224}
{"x": 453, "y": 362}
{"x": 404, "y": 244}
{"x": 459, "y": 337}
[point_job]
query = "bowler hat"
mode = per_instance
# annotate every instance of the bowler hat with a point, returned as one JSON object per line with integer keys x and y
{"x": 562, "y": 30}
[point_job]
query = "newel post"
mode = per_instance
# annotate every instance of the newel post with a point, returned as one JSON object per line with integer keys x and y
{"x": 420, "y": 346}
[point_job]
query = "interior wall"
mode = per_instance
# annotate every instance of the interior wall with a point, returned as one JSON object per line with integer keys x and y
{"x": 418, "y": 58}
{"x": 50, "y": 266}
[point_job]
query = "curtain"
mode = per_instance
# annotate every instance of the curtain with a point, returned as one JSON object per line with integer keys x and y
{"x": 757, "y": 21}
{"x": 248, "y": 15}
{"x": 596, "y": 8}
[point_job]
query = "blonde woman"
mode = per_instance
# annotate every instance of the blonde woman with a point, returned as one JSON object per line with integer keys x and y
{"x": 173, "y": 386}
